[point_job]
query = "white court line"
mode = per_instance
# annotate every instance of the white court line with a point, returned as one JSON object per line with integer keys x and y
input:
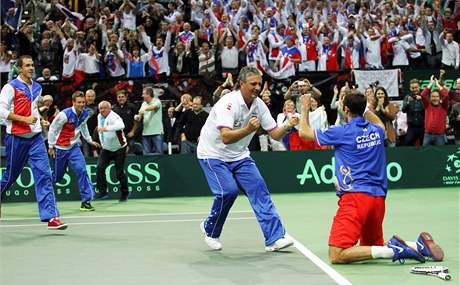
{"x": 308, "y": 254}
{"x": 122, "y": 222}
{"x": 320, "y": 263}
{"x": 118, "y": 216}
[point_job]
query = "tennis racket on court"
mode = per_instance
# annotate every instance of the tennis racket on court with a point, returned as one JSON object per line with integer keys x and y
{"x": 439, "y": 271}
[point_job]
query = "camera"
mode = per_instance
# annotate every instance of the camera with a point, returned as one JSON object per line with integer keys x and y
{"x": 374, "y": 84}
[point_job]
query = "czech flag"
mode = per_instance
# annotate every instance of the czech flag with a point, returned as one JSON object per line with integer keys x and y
{"x": 75, "y": 17}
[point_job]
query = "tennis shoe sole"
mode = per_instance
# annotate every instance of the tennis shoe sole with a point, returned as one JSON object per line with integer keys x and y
{"x": 436, "y": 252}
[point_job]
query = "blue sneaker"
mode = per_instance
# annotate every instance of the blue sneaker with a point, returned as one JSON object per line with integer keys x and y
{"x": 428, "y": 248}
{"x": 402, "y": 251}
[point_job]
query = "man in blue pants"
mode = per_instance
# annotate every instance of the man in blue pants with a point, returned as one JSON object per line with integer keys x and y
{"x": 64, "y": 147}
{"x": 224, "y": 156}
{"x": 24, "y": 142}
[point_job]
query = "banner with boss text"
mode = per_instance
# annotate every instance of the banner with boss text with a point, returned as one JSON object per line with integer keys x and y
{"x": 284, "y": 172}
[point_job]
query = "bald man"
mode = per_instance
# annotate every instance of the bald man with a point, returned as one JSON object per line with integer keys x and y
{"x": 113, "y": 141}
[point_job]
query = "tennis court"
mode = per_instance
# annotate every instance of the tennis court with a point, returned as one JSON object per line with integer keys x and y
{"x": 158, "y": 241}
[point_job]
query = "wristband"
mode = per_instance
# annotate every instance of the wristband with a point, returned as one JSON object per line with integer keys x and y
{"x": 221, "y": 87}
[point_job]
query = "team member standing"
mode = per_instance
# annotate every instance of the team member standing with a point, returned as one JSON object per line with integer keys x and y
{"x": 113, "y": 141}
{"x": 24, "y": 142}
{"x": 224, "y": 156}
{"x": 361, "y": 183}
{"x": 64, "y": 146}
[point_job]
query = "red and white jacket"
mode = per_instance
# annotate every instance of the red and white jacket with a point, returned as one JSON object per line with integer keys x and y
{"x": 18, "y": 98}
{"x": 66, "y": 128}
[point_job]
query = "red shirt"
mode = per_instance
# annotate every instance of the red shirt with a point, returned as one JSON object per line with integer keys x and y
{"x": 435, "y": 115}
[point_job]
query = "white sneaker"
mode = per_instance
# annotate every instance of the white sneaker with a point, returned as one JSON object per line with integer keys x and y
{"x": 279, "y": 244}
{"x": 213, "y": 243}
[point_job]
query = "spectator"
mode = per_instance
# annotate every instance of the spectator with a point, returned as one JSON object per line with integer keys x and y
{"x": 114, "y": 59}
{"x": 327, "y": 59}
{"x": 413, "y": 107}
{"x": 302, "y": 86}
{"x": 47, "y": 76}
{"x": 70, "y": 58}
{"x": 372, "y": 43}
{"x": 5, "y": 57}
{"x": 171, "y": 131}
{"x": 400, "y": 126}
{"x": 184, "y": 105}
{"x": 46, "y": 57}
{"x": 190, "y": 124}
{"x": 350, "y": 47}
{"x": 386, "y": 111}
{"x": 91, "y": 107}
{"x": 288, "y": 58}
{"x": 206, "y": 58}
{"x": 160, "y": 54}
{"x": 435, "y": 113}
{"x": 91, "y": 62}
{"x": 223, "y": 89}
{"x": 450, "y": 51}
{"x": 454, "y": 122}
{"x": 308, "y": 48}
{"x": 432, "y": 31}
{"x": 135, "y": 61}
{"x": 181, "y": 60}
{"x": 318, "y": 120}
{"x": 128, "y": 12}
{"x": 229, "y": 53}
{"x": 276, "y": 41}
{"x": 151, "y": 115}
{"x": 337, "y": 104}
{"x": 126, "y": 110}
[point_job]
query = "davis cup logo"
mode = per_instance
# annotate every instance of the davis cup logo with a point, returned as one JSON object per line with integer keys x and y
{"x": 453, "y": 169}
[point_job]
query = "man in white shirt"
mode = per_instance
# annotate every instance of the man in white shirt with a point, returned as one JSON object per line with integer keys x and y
{"x": 113, "y": 142}
{"x": 450, "y": 51}
{"x": 224, "y": 156}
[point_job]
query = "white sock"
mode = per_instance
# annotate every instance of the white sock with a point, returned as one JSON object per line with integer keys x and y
{"x": 412, "y": 244}
{"x": 381, "y": 252}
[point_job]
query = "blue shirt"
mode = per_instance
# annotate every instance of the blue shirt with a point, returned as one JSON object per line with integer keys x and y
{"x": 360, "y": 161}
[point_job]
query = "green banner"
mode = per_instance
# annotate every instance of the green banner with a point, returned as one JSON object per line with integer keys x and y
{"x": 285, "y": 172}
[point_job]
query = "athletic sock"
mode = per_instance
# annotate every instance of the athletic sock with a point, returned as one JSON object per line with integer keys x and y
{"x": 381, "y": 252}
{"x": 412, "y": 244}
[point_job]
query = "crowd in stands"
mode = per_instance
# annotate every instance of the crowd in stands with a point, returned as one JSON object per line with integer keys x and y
{"x": 120, "y": 38}
{"x": 125, "y": 39}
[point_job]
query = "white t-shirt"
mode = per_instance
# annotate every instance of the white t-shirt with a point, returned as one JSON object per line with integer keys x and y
{"x": 69, "y": 62}
{"x": 231, "y": 112}
{"x": 91, "y": 63}
{"x": 129, "y": 21}
{"x": 229, "y": 57}
{"x": 400, "y": 55}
